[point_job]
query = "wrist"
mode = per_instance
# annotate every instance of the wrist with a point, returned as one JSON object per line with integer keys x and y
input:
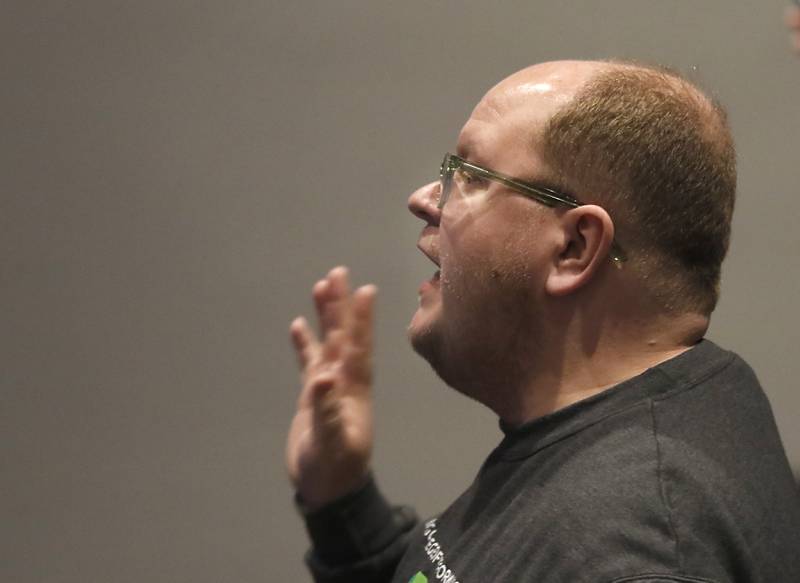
{"x": 320, "y": 493}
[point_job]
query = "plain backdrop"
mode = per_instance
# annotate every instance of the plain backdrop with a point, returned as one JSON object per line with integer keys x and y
{"x": 176, "y": 175}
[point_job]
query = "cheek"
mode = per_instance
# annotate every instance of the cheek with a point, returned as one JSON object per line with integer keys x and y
{"x": 484, "y": 285}
{"x": 506, "y": 256}
{"x": 467, "y": 256}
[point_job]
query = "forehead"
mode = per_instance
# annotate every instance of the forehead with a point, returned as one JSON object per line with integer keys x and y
{"x": 513, "y": 114}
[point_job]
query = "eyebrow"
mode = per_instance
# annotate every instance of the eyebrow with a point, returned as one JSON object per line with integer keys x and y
{"x": 466, "y": 146}
{"x": 463, "y": 151}
{"x": 470, "y": 152}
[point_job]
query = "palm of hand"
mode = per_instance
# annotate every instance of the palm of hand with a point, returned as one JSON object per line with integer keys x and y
{"x": 330, "y": 438}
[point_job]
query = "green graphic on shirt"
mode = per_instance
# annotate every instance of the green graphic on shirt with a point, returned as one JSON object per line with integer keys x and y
{"x": 418, "y": 578}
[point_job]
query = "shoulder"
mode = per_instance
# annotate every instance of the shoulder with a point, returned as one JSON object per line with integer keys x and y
{"x": 663, "y": 578}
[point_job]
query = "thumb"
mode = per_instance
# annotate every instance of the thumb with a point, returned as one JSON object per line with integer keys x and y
{"x": 324, "y": 404}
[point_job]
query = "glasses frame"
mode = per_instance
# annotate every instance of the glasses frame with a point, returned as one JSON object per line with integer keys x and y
{"x": 546, "y": 196}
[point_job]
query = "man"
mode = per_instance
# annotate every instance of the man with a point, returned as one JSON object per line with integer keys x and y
{"x": 578, "y": 234}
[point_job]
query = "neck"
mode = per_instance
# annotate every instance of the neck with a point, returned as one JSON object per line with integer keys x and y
{"x": 583, "y": 360}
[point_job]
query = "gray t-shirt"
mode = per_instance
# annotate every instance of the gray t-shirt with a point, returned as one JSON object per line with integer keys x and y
{"x": 675, "y": 475}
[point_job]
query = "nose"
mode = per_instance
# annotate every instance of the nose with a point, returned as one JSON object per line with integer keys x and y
{"x": 424, "y": 203}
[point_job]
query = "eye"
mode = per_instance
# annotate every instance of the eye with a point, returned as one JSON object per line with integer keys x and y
{"x": 468, "y": 177}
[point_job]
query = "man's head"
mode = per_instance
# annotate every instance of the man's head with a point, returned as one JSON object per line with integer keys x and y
{"x": 658, "y": 155}
{"x": 645, "y": 152}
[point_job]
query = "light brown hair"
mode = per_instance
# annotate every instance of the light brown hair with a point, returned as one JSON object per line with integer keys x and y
{"x": 658, "y": 154}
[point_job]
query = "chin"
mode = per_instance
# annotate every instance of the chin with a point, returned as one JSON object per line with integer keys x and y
{"x": 421, "y": 336}
{"x": 429, "y": 344}
{"x": 426, "y": 339}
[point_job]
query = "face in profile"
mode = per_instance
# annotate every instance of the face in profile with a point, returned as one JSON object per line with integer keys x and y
{"x": 490, "y": 246}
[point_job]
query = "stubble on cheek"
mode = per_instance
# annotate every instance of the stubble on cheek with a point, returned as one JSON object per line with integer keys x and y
{"x": 487, "y": 293}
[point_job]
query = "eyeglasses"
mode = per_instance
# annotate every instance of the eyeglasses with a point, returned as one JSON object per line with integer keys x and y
{"x": 457, "y": 169}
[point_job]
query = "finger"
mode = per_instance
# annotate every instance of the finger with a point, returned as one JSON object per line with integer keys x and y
{"x": 316, "y": 386}
{"x": 362, "y": 316}
{"x": 324, "y": 406}
{"x": 333, "y": 345}
{"x": 305, "y": 343}
{"x": 321, "y": 292}
{"x": 357, "y": 355}
{"x": 337, "y": 310}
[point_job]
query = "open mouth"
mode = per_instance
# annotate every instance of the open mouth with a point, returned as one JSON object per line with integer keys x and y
{"x": 432, "y": 283}
{"x": 429, "y": 255}
{"x": 428, "y": 245}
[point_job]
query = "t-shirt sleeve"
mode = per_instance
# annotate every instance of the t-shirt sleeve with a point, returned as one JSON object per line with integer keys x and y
{"x": 359, "y": 537}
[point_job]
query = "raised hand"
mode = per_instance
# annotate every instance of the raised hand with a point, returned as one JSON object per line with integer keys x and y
{"x": 330, "y": 439}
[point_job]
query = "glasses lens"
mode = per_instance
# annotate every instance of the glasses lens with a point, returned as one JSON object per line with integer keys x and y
{"x": 445, "y": 179}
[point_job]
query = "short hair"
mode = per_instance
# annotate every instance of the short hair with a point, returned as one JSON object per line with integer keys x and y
{"x": 658, "y": 154}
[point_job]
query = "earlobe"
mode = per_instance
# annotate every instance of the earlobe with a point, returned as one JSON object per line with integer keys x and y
{"x": 588, "y": 233}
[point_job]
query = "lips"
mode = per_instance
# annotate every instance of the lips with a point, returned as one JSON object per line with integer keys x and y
{"x": 428, "y": 245}
{"x": 431, "y": 284}
{"x": 429, "y": 254}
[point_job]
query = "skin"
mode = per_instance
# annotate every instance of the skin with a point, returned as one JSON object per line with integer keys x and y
{"x": 792, "y": 18}
{"x": 527, "y": 314}
{"x": 330, "y": 438}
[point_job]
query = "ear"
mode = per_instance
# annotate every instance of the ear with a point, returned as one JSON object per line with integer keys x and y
{"x": 588, "y": 233}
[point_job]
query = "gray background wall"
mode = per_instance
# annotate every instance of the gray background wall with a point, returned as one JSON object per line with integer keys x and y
{"x": 176, "y": 175}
